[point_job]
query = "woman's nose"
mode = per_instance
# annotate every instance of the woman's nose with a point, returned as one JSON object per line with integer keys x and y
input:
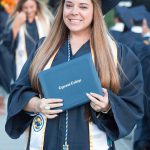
{"x": 75, "y": 10}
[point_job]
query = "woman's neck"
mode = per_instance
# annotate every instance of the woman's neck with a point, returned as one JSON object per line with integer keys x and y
{"x": 78, "y": 39}
{"x": 30, "y": 20}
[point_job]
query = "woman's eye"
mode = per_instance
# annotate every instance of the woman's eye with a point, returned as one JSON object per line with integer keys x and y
{"x": 83, "y": 7}
{"x": 68, "y": 5}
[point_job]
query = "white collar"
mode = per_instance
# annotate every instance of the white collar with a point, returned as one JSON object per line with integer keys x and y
{"x": 125, "y": 4}
{"x": 137, "y": 29}
{"x": 118, "y": 27}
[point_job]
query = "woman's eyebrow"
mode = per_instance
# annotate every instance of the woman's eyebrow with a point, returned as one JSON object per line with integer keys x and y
{"x": 68, "y": 1}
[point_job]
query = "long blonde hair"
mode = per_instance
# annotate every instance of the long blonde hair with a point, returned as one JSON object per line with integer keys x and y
{"x": 105, "y": 64}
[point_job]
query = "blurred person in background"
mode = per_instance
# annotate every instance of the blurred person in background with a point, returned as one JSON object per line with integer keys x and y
{"x": 138, "y": 39}
{"x": 142, "y": 132}
{"x": 146, "y": 27}
{"x": 6, "y": 7}
{"x": 3, "y": 17}
{"x": 30, "y": 20}
{"x": 122, "y": 23}
{"x": 137, "y": 15}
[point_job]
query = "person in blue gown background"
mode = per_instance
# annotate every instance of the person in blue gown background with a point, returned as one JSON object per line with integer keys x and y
{"x": 29, "y": 21}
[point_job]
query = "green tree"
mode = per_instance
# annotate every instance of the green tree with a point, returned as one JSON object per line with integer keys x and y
{"x": 109, "y": 18}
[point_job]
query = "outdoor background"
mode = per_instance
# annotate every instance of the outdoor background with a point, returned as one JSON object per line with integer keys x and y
{"x": 8, "y": 144}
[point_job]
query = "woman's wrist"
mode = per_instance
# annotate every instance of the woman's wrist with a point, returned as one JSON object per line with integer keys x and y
{"x": 32, "y": 105}
{"x": 103, "y": 112}
{"x": 107, "y": 110}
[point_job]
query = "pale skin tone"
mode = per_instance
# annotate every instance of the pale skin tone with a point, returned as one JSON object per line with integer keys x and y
{"x": 145, "y": 27}
{"x": 28, "y": 12}
{"x": 2, "y": 106}
{"x": 78, "y": 16}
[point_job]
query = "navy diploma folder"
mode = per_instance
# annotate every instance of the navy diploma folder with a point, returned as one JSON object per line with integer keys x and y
{"x": 71, "y": 81}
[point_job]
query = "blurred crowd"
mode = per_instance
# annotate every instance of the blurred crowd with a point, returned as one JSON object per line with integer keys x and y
{"x": 132, "y": 27}
{"x": 24, "y": 22}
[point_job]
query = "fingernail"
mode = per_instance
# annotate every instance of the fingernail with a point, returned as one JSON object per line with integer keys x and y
{"x": 87, "y": 94}
{"x": 91, "y": 93}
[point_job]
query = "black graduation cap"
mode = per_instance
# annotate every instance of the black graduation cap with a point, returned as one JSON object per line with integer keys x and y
{"x": 107, "y": 5}
{"x": 124, "y": 15}
{"x": 138, "y": 13}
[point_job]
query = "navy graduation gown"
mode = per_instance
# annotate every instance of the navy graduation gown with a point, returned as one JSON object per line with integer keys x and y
{"x": 129, "y": 38}
{"x": 4, "y": 80}
{"x": 142, "y": 132}
{"x": 33, "y": 32}
{"x": 3, "y": 19}
{"x": 4, "y": 54}
{"x": 11, "y": 44}
{"x": 6, "y": 59}
{"x": 127, "y": 105}
{"x": 116, "y": 34}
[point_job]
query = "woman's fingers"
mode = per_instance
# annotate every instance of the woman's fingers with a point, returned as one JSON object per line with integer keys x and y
{"x": 98, "y": 102}
{"x": 105, "y": 92}
{"x": 54, "y": 112}
{"x": 51, "y": 116}
{"x": 94, "y": 100}
{"x": 95, "y": 107}
{"x": 56, "y": 105}
{"x": 48, "y": 106}
{"x": 100, "y": 97}
{"x": 50, "y": 101}
{"x": 97, "y": 96}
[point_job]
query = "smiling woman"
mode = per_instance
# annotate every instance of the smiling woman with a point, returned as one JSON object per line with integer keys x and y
{"x": 30, "y": 9}
{"x": 78, "y": 28}
{"x": 78, "y": 16}
{"x": 25, "y": 27}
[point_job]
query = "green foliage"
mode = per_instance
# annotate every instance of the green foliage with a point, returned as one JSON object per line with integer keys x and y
{"x": 109, "y": 18}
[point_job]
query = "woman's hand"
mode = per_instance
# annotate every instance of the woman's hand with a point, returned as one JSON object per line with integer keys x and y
{"x": 20, "y": 19}
{"x": 99, "y": 103}
{"x": 45, "y": 106}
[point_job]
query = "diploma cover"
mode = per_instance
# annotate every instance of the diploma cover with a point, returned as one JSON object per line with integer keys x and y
{"x": 71, "y": 81}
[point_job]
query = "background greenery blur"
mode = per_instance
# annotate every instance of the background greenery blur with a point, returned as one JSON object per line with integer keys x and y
{"x": 109, "y": 17}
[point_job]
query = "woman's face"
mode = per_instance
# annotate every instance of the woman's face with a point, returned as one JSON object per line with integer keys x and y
{"x": 78, "y": 15}
{"x": 30, "y": 8}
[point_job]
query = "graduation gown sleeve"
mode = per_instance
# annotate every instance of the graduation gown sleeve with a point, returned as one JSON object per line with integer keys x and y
{"x": 3, "y": 19}
{"x": 22, "y": 92}
{"x": 142, "y": 132}
{"x": 127, "y": 106}
{"x": 7, "y": 39}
